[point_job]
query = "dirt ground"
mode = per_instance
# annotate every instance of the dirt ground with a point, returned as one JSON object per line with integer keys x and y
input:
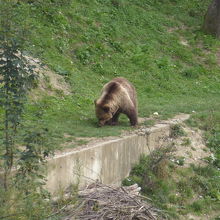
{"x": 191, "y": 147}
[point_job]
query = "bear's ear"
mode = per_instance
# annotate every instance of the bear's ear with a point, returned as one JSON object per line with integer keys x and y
{"x": 106, "y": 109}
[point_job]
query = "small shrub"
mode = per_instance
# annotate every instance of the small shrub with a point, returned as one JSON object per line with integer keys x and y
{"x": 151, "y": 174}
{"x": 185, "y": 189}
{"x": 173, "y": 198}
{"x": 61, "y": 71}
{"x": 194, "y": 73}
{"x": 177, "y": 131}
{"x": 197, "y": 206}
{"x": 161, "y": 170}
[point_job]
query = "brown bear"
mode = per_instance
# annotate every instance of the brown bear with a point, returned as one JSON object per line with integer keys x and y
{"x": 117, "y": 96}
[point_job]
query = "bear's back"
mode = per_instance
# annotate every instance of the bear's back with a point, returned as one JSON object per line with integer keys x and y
{"x": 120, "y": 90}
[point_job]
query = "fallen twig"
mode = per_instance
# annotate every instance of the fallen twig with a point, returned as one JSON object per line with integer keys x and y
{"x": 104, "y": 202}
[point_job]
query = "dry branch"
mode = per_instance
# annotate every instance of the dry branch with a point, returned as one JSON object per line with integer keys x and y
{"x": 103, "y": 202}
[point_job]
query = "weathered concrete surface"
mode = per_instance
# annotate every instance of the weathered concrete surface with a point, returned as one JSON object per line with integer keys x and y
{"x": 108, "y": 161}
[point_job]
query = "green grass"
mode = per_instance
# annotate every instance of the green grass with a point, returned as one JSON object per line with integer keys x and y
{"x": 90, "y": 42}
{"x": 182, "y": 190}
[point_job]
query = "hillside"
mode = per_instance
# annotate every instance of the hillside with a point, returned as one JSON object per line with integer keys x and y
{"x": 79, "y": 45}
{"x": 157, "y": 45}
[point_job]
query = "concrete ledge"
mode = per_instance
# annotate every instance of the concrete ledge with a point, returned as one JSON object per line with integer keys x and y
{"x": 108, "y": 161}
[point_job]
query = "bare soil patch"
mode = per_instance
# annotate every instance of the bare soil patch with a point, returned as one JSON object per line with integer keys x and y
{"x": 49, "y": 83}
{"x": 191, "y": 147}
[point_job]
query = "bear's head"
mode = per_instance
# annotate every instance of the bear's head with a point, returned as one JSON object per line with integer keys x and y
{"x": 103, "y": 113}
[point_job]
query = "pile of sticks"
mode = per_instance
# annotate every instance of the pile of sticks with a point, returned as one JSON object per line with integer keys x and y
{"x": 105, "y": 202}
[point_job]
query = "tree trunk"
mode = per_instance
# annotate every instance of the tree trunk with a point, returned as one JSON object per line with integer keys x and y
{"x": 212, "y": 19}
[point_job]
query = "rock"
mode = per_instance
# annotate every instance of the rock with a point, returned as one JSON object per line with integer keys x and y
{"x": 212, "y": 19}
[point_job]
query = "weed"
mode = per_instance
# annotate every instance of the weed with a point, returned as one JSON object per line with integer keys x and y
{"x": 198, "y": 206}
{"x": 149, "y": 123}
{"x": 152, "y": 174}
{"x": 186, "y": 142}
{"x": 179, "y": 160}
{"x": 209, "y": 121}
{"x": 177, "y": 131}
{"x": 193, "y": 148}
{"x": 194, "y": 189}
{"x": 184, "y": 189}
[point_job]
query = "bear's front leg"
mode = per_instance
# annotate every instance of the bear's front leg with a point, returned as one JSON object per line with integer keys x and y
{"x": 109, "y": 122}
{"x": 132, "y": 115}
{"x": 115, "y": 118}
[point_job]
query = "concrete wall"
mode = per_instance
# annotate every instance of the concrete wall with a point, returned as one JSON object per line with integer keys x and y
{"x": 108, "y": 161}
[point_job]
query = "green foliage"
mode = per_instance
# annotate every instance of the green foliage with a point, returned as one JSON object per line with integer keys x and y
{"x": 176, "y": 131}
{"x": 22, "y": 195}
{"x": 175, "y": 193}
{"x": 152, "y": 171}
{"x": 17, "y": 78}
{"x": 90, "y": 42}
{"x": 152, "y": 174}
{"x": 32, "y": 159}
{"x": 26, "y": 197}
{"x": 184, "y": 190}
{"x": 179, "y": 160}
{"x": 18, "y": 204}
{"x": 213, "y": 141}
{"x": 157, "y": 45}
{"x": 210, "y": 122}
{"x": 186, "y": 142}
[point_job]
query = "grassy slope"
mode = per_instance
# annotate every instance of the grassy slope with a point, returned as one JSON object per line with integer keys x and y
{"x": 89, "y": 42}
{"x": 180, "y": 191}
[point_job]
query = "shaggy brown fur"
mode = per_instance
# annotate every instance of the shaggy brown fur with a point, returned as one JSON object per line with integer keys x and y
{"x": 118, "y": 96}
